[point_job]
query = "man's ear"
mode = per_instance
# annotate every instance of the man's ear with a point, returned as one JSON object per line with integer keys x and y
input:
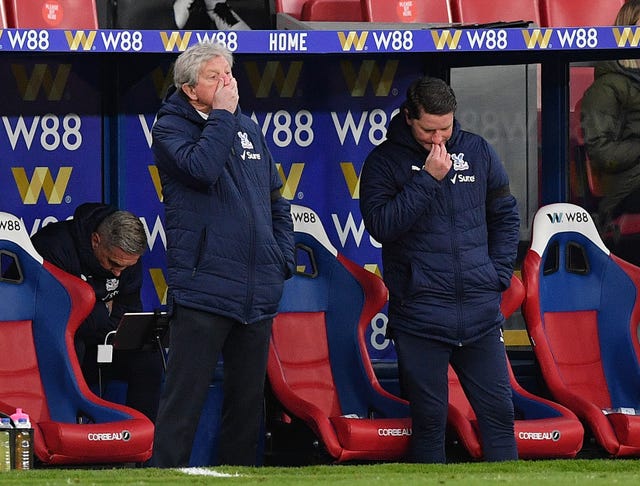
{"x": 95, "y": 240}
{"x": 406, "y": 115}
{"x": 190, "y": 91}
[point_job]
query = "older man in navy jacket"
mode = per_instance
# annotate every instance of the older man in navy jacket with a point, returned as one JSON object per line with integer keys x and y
{"x": 438, "y": 199}
{"x": 229, "y": 251}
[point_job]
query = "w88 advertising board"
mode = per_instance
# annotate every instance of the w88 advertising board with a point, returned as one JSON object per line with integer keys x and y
{"x": 320, "y": 116}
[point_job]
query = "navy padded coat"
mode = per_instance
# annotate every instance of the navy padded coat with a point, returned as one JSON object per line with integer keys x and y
{"x": 449, "y": 246}
{"x": 229, "y": 230}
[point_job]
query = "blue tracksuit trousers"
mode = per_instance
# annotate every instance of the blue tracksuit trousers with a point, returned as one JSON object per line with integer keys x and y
{"x": 482, "y": 369}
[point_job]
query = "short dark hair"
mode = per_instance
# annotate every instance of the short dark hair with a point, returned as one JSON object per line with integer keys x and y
{"x": 123, "y": 230}
{"x": 429, "y": 95}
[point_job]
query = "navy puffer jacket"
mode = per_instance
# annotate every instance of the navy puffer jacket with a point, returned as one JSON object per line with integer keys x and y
{"x": 448, "y": 247}
{"x": 229, "y": 230}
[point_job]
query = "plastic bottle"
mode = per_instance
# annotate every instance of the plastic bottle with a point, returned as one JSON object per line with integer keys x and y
{"x": 5, "y": 443}
{"x": 21, "y": 419}
{"x": 23, "y": 451}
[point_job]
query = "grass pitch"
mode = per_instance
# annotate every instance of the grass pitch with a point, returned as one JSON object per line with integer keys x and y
{"x": 606, "y": 472}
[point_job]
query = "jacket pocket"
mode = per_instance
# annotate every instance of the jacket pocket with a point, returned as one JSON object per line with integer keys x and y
{"x": 199, "y": 250}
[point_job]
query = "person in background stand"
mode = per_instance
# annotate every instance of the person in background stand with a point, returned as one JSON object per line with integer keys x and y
{"x": 610, "y": 120}
{"x": 103, "y": 246}
{"x": 229, "y": 250}
{"x": 438, "y": 200}
{"x": 223, "y": 16}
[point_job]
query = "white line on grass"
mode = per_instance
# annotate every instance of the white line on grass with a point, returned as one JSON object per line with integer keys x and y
{"x": 201, "y": 471}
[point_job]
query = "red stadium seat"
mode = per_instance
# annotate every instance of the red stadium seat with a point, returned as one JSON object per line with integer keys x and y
{"x": 582, "y": 310}
{"x": 51, "y": 14}
{"x": 331, "y": 11}
{"x": 428, "y": 11}
{"x": 319, "y": 368}
{"x": 41, "y": 307}
{"x": 543, "y": 429}
{"x": 487, "y": 11}
{"x": 578, "y": 13}
{"x": 290, "y": 7}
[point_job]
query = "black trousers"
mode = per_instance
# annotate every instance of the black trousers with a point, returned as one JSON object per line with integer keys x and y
{"x": 482, "y": 369}
{"x": 196, "y": 340}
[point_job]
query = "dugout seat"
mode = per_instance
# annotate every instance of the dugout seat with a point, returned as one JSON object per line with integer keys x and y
{"x": 427, "y": 11}
{"x": 543, "y": 429}
{"x": 319, "y": 367}
{"x": 582, "y": 312}
{"x": 61, "y": 14}
{"x": 41, "y": 307}
{"x": 488, "y": 11}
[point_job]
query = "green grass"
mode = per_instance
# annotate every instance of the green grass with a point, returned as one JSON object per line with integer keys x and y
{"x": 559, "y": 472}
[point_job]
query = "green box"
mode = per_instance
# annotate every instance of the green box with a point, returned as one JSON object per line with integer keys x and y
{"x": 6, "y": 456}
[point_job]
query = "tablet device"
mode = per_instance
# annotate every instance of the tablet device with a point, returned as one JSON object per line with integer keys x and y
{"x": 137, "y": 329}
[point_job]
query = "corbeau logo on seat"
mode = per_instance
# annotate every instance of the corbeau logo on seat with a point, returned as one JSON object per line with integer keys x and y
{"x": 394, "y": 432}
{"x": 553, "y": 436}
{"x": 124, "y": 436}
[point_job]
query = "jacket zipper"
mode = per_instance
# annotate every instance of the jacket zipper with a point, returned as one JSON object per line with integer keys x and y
{"x": 456, "y": 262}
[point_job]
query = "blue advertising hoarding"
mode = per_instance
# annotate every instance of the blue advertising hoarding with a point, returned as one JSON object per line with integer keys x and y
{"x": 50, "y": 137}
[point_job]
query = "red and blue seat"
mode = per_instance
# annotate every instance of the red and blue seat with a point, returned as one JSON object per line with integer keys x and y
{"x": 319, "y": 367}
{"x": 543, "y": 429}
{"x": 41, "y": 307}
{"x": 582, "y": 311}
